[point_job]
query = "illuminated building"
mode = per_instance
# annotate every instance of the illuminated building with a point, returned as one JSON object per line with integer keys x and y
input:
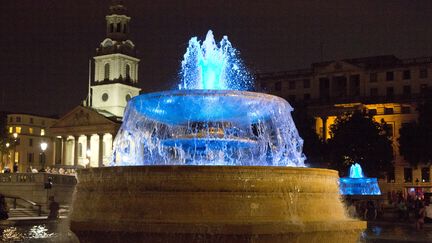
{"x": 385, "y": 86}
{"x": 26, "y": 132}
{"x": 86, "y": 133}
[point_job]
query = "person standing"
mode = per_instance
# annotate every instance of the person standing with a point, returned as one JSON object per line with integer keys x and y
{"x": 54, "y": 208}
{"x": 3, "y": 208}
{"x": 421, "y": 217}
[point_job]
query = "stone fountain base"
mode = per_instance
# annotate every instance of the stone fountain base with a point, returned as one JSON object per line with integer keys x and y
{"x": 210, "y": 204}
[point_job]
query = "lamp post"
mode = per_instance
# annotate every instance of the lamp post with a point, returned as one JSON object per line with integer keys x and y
{"x": 14, "y": 159}
{"x": 43, "y": 147}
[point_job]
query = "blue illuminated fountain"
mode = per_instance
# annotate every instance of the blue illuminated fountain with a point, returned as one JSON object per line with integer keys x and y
{"x": 210, "y": 162}
{"x": 210, "y": 120}
{"x": 358, "y": 184}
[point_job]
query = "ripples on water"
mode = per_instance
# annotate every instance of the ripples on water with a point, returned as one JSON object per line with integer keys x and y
{"x": 51, "y": 232}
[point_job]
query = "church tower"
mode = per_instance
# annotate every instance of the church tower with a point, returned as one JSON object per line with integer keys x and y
{"x": 116, "y": 64}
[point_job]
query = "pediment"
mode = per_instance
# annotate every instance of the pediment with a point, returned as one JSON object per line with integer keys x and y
{"x": 83, "y": 118}
{"x": 338, "y": 67}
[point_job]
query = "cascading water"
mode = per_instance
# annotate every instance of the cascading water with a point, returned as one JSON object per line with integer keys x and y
{"x": 209, "y": 121}
{"x": 253, "y": 195}
{"x": 211, "y": 67}
{"x": 358, "y": 184}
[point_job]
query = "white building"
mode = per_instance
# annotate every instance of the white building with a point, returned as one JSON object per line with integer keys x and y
{"x": 86, "y": 133}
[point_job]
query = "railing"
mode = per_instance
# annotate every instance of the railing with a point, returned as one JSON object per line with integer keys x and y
{"x": 33, "y": 204}
{"x": 24, "y": 178}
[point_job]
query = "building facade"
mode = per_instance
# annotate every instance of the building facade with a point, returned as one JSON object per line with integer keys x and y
{"x": 385, "y": 86}
{"x": 26, "y": 133}
{"x": 86, "y": 133}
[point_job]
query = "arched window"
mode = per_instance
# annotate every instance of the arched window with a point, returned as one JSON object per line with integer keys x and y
{"x": 127, "y": 71}
{"x": 118, "y": 27}
{"x": 107, "y": 71}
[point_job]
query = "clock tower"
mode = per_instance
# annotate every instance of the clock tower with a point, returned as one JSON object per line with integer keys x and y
{"x": 116, "y": 64}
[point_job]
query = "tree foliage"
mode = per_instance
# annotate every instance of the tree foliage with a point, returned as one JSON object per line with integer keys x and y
{"x": 313, "y": 147}
{"x": 358, "y": 138}
{"x": 415, "y": 141}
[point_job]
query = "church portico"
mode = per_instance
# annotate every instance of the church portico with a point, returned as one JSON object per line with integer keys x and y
{"x": 86, "y": 138}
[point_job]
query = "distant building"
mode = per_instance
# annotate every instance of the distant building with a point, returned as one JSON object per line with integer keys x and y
{"x": 26, "y": 132}
{"x": 86, "y": 133}
{"x": 385, "y": 86}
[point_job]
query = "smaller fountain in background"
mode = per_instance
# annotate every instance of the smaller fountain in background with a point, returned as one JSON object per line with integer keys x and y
{"x": 358, "y": 184}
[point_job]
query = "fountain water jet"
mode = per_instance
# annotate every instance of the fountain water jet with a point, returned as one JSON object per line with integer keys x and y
{"x": 358, "y": 184}
{"x": 209, "y": 163}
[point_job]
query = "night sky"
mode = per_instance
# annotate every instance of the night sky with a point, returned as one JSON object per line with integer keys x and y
{"x": 45, "y": 45}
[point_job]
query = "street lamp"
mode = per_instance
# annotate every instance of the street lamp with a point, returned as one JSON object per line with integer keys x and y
{"x": 43, "y": 147}
{"x": 14, "y": 157}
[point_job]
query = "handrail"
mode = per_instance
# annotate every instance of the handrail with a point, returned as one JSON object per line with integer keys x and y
{"x": 27, "y": 201}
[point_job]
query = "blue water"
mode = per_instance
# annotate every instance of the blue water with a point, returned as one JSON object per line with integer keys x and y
{"x": 358, "y": 184}
{"x": 213, "y": 66}
{"x": 211, "y": 119}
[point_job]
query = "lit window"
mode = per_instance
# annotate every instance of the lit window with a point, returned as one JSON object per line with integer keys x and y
{"x": 31, "y": 130}
{"x": 42, "y": 132}
{"x": 18, "y": 130}
{"x": 10, "y": 129}
{"x": 16, "y": 157}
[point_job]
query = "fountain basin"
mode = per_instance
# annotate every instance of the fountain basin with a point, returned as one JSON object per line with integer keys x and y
{"x": 210, "y": 204}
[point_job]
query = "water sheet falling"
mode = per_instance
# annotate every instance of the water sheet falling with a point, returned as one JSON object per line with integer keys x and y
{"x": 213, "y": 66}
{"x": 358, "y": 184}
{"x": 209, "y": 120}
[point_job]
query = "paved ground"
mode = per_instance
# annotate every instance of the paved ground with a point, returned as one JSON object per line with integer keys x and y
{"x": 39, "y": 229}
{"x": 397, "y": 232}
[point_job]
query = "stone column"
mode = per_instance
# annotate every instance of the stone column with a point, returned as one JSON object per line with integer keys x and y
{"x": 76, "y": 150}
{"x": 324, "y": 129}
{"x": 63, "y": 156}
{"x": 101, "y": 135}
{"x": 54, "y": 145}
{"x": 88, "y": 148}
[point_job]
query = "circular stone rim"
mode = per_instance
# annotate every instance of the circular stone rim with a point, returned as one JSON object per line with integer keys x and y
{"x": 183, "y": 100}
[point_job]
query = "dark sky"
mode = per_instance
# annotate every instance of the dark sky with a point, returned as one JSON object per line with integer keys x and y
{"x": 45, "y": 44}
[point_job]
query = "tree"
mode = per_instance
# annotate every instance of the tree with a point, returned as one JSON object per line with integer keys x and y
{"x": 358, "y": 138}
{"x": 415, "y": 141}
{"x": 313, "y": 147}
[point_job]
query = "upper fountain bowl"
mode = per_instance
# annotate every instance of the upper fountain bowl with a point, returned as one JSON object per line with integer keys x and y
{"x": 181, "y": 107}
{"x": 208, "y": 127}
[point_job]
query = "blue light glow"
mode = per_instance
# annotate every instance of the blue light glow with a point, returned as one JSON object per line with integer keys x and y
{"x": 358, "y": 184}
{"x": 212, "y": 67}
{"x": 210, "y": 120}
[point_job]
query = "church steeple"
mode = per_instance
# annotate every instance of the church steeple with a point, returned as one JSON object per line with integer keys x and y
{"x": 116, "y": 64}
{"x": 117, "y": 21}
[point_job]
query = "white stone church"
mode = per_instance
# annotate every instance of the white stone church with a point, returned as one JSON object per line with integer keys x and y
{"x": 84, "y": 136}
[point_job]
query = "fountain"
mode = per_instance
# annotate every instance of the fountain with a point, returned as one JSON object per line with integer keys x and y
{"x": 210, "y": 162}
{"x": 358, "y": 184}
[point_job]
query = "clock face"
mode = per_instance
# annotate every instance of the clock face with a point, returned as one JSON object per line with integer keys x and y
{"x": 105, "y": 97}
{"x": 128, "y": 97}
